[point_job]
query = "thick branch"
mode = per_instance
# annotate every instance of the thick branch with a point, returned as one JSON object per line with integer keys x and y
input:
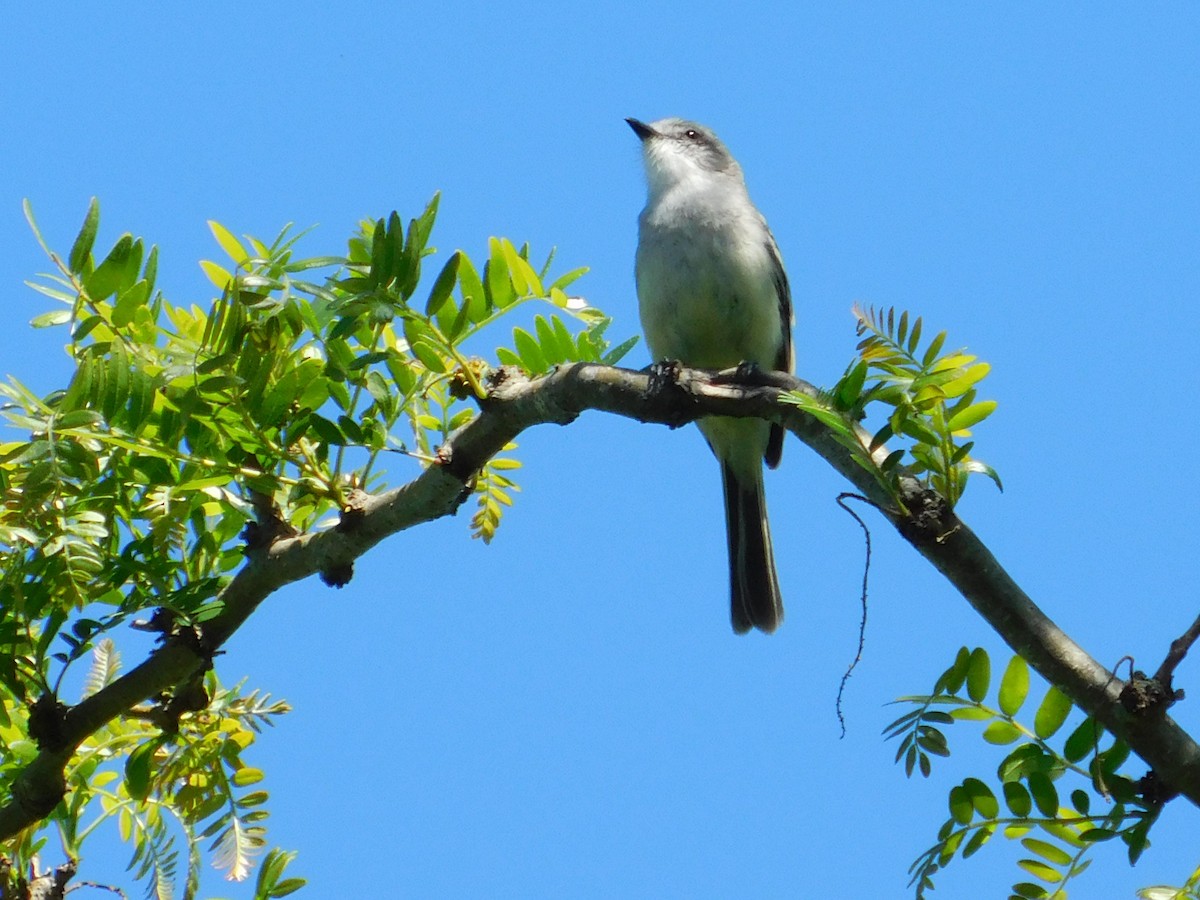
{"x": 517, "y": 403}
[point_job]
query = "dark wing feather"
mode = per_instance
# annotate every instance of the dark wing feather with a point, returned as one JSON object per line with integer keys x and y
{"x": 783, "y": 359}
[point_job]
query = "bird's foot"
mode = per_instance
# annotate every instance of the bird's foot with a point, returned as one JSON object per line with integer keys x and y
{"x": 665, "y": 384}
{"x": 665, "y": 371}
{"x": 745, "y": 373}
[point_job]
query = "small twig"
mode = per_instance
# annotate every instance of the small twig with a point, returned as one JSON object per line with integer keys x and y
{"x": 862, "y": 625}
{"x": 92, "y": 884}
{"x": 1179, "y": 649}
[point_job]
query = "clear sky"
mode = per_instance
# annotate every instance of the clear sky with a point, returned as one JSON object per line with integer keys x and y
{"x": 565, "y": 712}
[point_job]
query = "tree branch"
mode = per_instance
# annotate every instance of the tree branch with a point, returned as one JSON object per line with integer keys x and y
{"x": 516, "y": 403}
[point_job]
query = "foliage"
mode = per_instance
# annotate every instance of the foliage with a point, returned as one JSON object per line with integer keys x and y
{"x": 1188, "y": 891}
{"x": 931, "y": 402}
{"x": 158, "y": 782}
{"x": 1061, "y": 798}
{"x": 129, "y": 489}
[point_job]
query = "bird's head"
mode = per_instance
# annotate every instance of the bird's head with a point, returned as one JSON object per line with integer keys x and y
{"x": 677, "y": 152}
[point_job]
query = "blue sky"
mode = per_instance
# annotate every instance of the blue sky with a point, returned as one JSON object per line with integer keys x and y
{"x": 565, "y": 712}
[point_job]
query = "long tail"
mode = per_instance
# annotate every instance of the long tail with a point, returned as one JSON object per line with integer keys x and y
{"x": 754, "y": 588}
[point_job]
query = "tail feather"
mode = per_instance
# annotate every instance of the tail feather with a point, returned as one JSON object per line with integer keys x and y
{"x": 754, "y": 587}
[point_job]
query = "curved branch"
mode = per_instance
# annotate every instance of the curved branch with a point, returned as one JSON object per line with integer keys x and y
{"x": 516, "y": 403}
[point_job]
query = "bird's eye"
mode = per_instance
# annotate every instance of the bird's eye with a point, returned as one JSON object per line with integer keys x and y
{"x": 692, "y": 133}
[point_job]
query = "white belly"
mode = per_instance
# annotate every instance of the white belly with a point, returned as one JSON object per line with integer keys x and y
{"x": 708, "y": 295}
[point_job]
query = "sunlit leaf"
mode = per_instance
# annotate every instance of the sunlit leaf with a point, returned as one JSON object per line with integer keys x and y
{"x": 1051, "y": 713}
{"x": 982, "y": 798}
{"x": 82, "y": 248}
{"x": 979, "y": 675}
{"x": 228, "y": 242}
{"x": 971, "y": 415}
{"x": 1049, "y": 852}
{"x": 1014, "y": 686}
{"x": 219, "y": 276}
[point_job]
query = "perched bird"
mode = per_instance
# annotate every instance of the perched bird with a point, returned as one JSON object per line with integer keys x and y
{"x": 713, "y": 294}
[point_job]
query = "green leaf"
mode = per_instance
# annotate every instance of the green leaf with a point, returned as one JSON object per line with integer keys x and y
{"x": 246, "y": 776}
{"x": 137, "y": 769}
{"x": 532, "y": 359}
{"x": 218, "y": 275}
{"x": 1026, "y": 891}
{"x": 521, "y": 273}
{"x": 935, "y": 347}
{"x": 552, "y": 350}
{"x": 850, "y": 388}
{"x": 617, "y": 353}
{"x": 983, "y": 834}
{"x": 1045, "y": 796}
{"x": 52, "y": 293}
{"x": 1049, "y": 852}
{"x": 424, "y": 222}
{"x": 499, "y": 284}
{"x": 287, "y": 886}
{"x": 1039, "y": 869}
{"x": 326, "y": 430}
{"x": 971, "y": 714}
{"x": 1112, "y": 758}
{"x": 1053, "y": 711}
{"x": 982, "y": 798}
{"x": 409, "y": 261}
{"x": 228, "y": 242}
{"x": 81, "y": 250}
{"x": 129, "y": 301}
{"x": 54, "y": 317}
{"x": 975, "y": 465}
{"x": 507, "y": 358}
{"x": 950, "y": 846}
{"x": 979, "y": 675}
{"x": 443, "y": 285}
{"x": 381, "y": 254}
{"x": 562, "y": 281}
{"x": 1001, "y": 733}
{"x": 1017, "y": 798}
{"x": 961, "y": 808}
{"x": 914, "y": 341}
{"x": 967, "y": 380}
{"x": 882, "y": 436}
{"x": 474, "y": 296}
{"x": 1025, "y": 759}
{"x": 150, "y": 272}
{"x": 949, "y": 364}
{"x": 952, "y": 679}
{"x": 1014, "y": 686}
{"x": 971, "y": 415}
{"x": 428, "y": 356}
{"x": 1136, "y": 840}
{"x": 107, "y": 277}
{"x": 1081, "y": 802}
{"x": 918, "y": 430}
{"x": 1083, "y": 740}
{"x": 1161, "y": 892}
{"x": 932, "y": 740}
{"x": 1065, "y": 833}
{"x": 350, "y": 429}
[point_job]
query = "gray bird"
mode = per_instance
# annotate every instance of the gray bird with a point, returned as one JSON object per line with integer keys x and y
{"x": 713, "y": 294}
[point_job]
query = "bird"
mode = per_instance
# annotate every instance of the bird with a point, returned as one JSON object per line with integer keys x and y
{"x": 713, "y": 294}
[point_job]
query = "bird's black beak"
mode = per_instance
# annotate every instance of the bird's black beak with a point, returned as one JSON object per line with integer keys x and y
{"x": 641, "y": 129}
